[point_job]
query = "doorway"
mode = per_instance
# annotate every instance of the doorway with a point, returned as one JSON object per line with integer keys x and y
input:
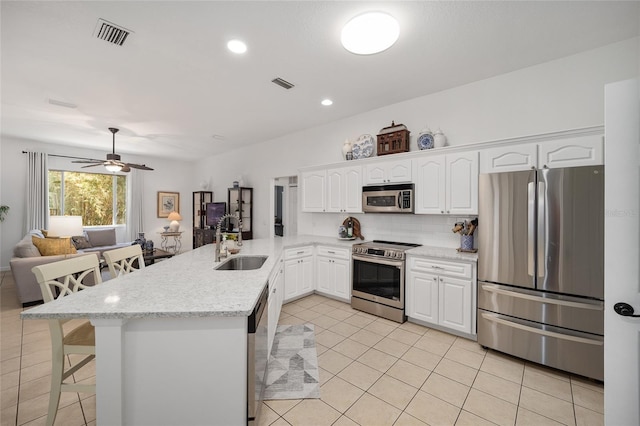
{"x": 285, "y": 206}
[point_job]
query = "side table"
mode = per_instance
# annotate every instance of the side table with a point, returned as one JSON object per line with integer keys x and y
{"x": 177, "y": 241}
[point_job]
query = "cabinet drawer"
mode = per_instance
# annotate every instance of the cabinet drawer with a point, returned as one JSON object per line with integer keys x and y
{"x": 292, "y": 253}
{"x": 440, "y": 267}
{"x": 340, "y": 253}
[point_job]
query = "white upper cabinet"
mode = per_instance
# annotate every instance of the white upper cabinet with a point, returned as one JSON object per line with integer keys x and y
{"x": 430, "y": 185}
{"x": 313, "y": 191}
{"x": 447, "y": 184}
{"x": 462, "y": 183}
{"x": 389, "y": 171}
{"x": 509, "y": 158}
{"x": 584, "y": 151}
{"x": 344, "y": 190}
{"x": 567, "y": 152}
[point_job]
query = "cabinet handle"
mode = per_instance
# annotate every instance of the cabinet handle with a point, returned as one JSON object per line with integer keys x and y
{"x": 300, "y": 252}
{"x": 448, "y": 212}
{"x": 442, "y": 211}
{"x": 435, "y": 279}
{"x": 332, "y": 252}
{"x": 437, "y": 267}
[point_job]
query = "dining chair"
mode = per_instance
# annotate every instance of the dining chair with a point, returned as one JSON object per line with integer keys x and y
{"x": 124, "y": 260}
{"x": 60, "y": 279}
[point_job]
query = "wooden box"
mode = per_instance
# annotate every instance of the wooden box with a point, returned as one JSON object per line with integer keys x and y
{"x": 393, "y": 139}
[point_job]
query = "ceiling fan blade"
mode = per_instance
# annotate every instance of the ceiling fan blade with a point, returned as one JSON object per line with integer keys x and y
{"x": 87, "y": 161}
{"x": 138, "y": 166}
{"x": 92, "y": 165}
{"x": 125, "y": 169}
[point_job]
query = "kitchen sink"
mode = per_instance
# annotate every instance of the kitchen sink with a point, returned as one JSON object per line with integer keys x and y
{"x": 242, "y": 263}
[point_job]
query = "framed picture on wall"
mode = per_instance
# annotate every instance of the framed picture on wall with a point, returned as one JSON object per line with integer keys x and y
{"x": 167, "y": 203}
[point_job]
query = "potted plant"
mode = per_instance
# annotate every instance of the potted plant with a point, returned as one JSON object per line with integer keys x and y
{"x": 3, "y": 212}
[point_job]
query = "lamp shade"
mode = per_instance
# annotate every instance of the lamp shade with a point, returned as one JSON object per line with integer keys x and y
{"x": 174, "y": 217}
{"x": 65, "y": 226}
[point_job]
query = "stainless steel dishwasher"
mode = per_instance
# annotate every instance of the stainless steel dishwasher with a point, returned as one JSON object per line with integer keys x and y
{"x": 257, "y": 357}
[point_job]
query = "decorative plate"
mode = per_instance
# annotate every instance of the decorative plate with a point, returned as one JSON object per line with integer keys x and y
{"x": 425, "y": 141}
{"x": 363, "y": 147}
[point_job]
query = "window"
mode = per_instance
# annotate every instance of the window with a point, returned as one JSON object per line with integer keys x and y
{"x": 101, "y": 199}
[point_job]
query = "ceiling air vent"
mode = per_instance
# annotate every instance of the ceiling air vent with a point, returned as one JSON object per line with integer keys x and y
{"x": 111, "y": 32}
{"x": 282, "y": 83}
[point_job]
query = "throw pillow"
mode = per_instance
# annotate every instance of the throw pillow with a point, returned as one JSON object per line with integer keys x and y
{"x": 25, "y": 248}
{"x": 81, "y": 242}
{"x": 102, "y": 237}
{"x": 53, "y": 246}
{"x": 37, "y": 233}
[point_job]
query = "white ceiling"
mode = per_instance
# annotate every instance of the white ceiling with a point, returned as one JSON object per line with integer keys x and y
{"x": 175, "y": 91}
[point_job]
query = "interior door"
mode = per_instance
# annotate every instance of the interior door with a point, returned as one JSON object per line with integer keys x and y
{"x": 622, "y": 252}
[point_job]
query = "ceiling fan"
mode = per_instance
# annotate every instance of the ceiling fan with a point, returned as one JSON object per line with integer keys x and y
{"x": 113, "y": 163}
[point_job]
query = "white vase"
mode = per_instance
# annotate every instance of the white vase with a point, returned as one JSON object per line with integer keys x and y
{"x": 346, "y": 148}
{"x": 439, "y": 139}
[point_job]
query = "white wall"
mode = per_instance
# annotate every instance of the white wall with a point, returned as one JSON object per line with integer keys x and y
{"x": 168, "y": 175}
{"x": 563, "y": 94}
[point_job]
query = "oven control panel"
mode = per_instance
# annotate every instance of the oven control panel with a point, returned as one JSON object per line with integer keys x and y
{"x": 378, "y": 252}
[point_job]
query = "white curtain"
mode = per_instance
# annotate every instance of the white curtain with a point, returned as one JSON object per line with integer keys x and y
{"x": 37, "y": 208}
{"x": 135, "y": 204}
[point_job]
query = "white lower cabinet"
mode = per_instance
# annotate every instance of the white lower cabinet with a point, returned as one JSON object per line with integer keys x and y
{"x": 333, "y": 275}
{"x": 298, "y": 272}
{"x": 442, "y": 293}
{"x": 276, "y": 298}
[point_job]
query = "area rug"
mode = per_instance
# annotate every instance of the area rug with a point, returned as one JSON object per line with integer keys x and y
{"x": 293, "y": 367}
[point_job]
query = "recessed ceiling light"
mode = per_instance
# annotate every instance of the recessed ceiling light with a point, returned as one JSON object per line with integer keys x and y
{"x": 237, "y": 46}
{"x": 327, "y": 102}
{"x": 370, "y": 33}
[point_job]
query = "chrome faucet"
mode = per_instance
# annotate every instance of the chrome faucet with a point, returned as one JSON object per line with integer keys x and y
{"x": 219, "y": 234}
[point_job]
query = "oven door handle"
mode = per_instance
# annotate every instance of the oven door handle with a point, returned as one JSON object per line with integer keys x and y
{"x": 379, "y": 260}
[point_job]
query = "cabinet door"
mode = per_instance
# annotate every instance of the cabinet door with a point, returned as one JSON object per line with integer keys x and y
{"x": 326, "y": 280}
{"x": 462, "y": 183}
{"x": 291, "y": 278}
{"x": 389, "y": 171}
{"x": 352, "y": 190}
{"x": 455, "y": 304}
{"x": 512, "y": 158}
{"x": 335, "y": 190}
{"x": 574, "y": 152}
{"x": 313, "y": 191}
{"x": 429, "y": 185}
{"x": 422, "y": 297}
{"x": 398, "y": 171}
{"x": 306, "y": 283}
{"x": 342, "y": 279}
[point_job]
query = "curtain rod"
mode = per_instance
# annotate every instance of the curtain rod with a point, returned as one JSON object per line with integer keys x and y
{"x": 64, "y": 156}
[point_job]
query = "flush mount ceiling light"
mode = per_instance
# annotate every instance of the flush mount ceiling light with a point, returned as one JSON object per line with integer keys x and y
{"x": 237, "y": 46}
{"x": 327, "y": 102}
{"x": 370, "y": 33}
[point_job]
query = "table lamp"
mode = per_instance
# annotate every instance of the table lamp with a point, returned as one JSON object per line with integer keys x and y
{"x": 174, "y": 217}
{"x": 65, "y": 226}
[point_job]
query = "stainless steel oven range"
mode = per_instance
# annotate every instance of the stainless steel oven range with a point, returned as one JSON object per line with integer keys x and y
{"x": 377, "y": 284}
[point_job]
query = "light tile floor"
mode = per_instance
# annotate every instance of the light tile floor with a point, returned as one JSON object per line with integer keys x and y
{"x": 372, "y": 372}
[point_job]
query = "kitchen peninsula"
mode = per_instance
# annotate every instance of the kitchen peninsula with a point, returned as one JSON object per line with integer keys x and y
{"x": 171, "y": 339}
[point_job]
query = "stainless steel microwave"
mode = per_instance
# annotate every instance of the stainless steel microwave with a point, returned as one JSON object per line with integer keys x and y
{"x": 388, "y": 198}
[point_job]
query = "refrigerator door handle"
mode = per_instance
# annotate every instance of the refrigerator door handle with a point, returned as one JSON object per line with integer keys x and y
{"x": 491, "y": 288}
{"x": 531, "y": 199}
{"x": 542, "y": 230}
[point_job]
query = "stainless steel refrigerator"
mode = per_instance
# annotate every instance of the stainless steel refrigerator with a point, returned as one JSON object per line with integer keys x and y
{"x": 541, "y": 267}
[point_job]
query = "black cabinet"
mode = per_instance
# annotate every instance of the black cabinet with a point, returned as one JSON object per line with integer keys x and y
{"x": 241, "y": 205}
{"x": 200, "y": 229}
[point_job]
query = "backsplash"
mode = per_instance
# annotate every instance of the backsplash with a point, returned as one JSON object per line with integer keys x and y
{"x": 430, "y": 230}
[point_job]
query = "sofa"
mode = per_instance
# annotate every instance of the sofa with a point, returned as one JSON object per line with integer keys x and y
{"x": 26, "y": 255}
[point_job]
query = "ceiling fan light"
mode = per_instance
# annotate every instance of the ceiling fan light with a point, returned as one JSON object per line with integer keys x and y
{"x": 370, "y": 33}
{"x": 113, "y": 167}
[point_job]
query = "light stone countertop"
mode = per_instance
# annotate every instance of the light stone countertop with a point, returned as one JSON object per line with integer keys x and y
{"x": 186, "y": 285}
{"x": 442, "y": 253}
